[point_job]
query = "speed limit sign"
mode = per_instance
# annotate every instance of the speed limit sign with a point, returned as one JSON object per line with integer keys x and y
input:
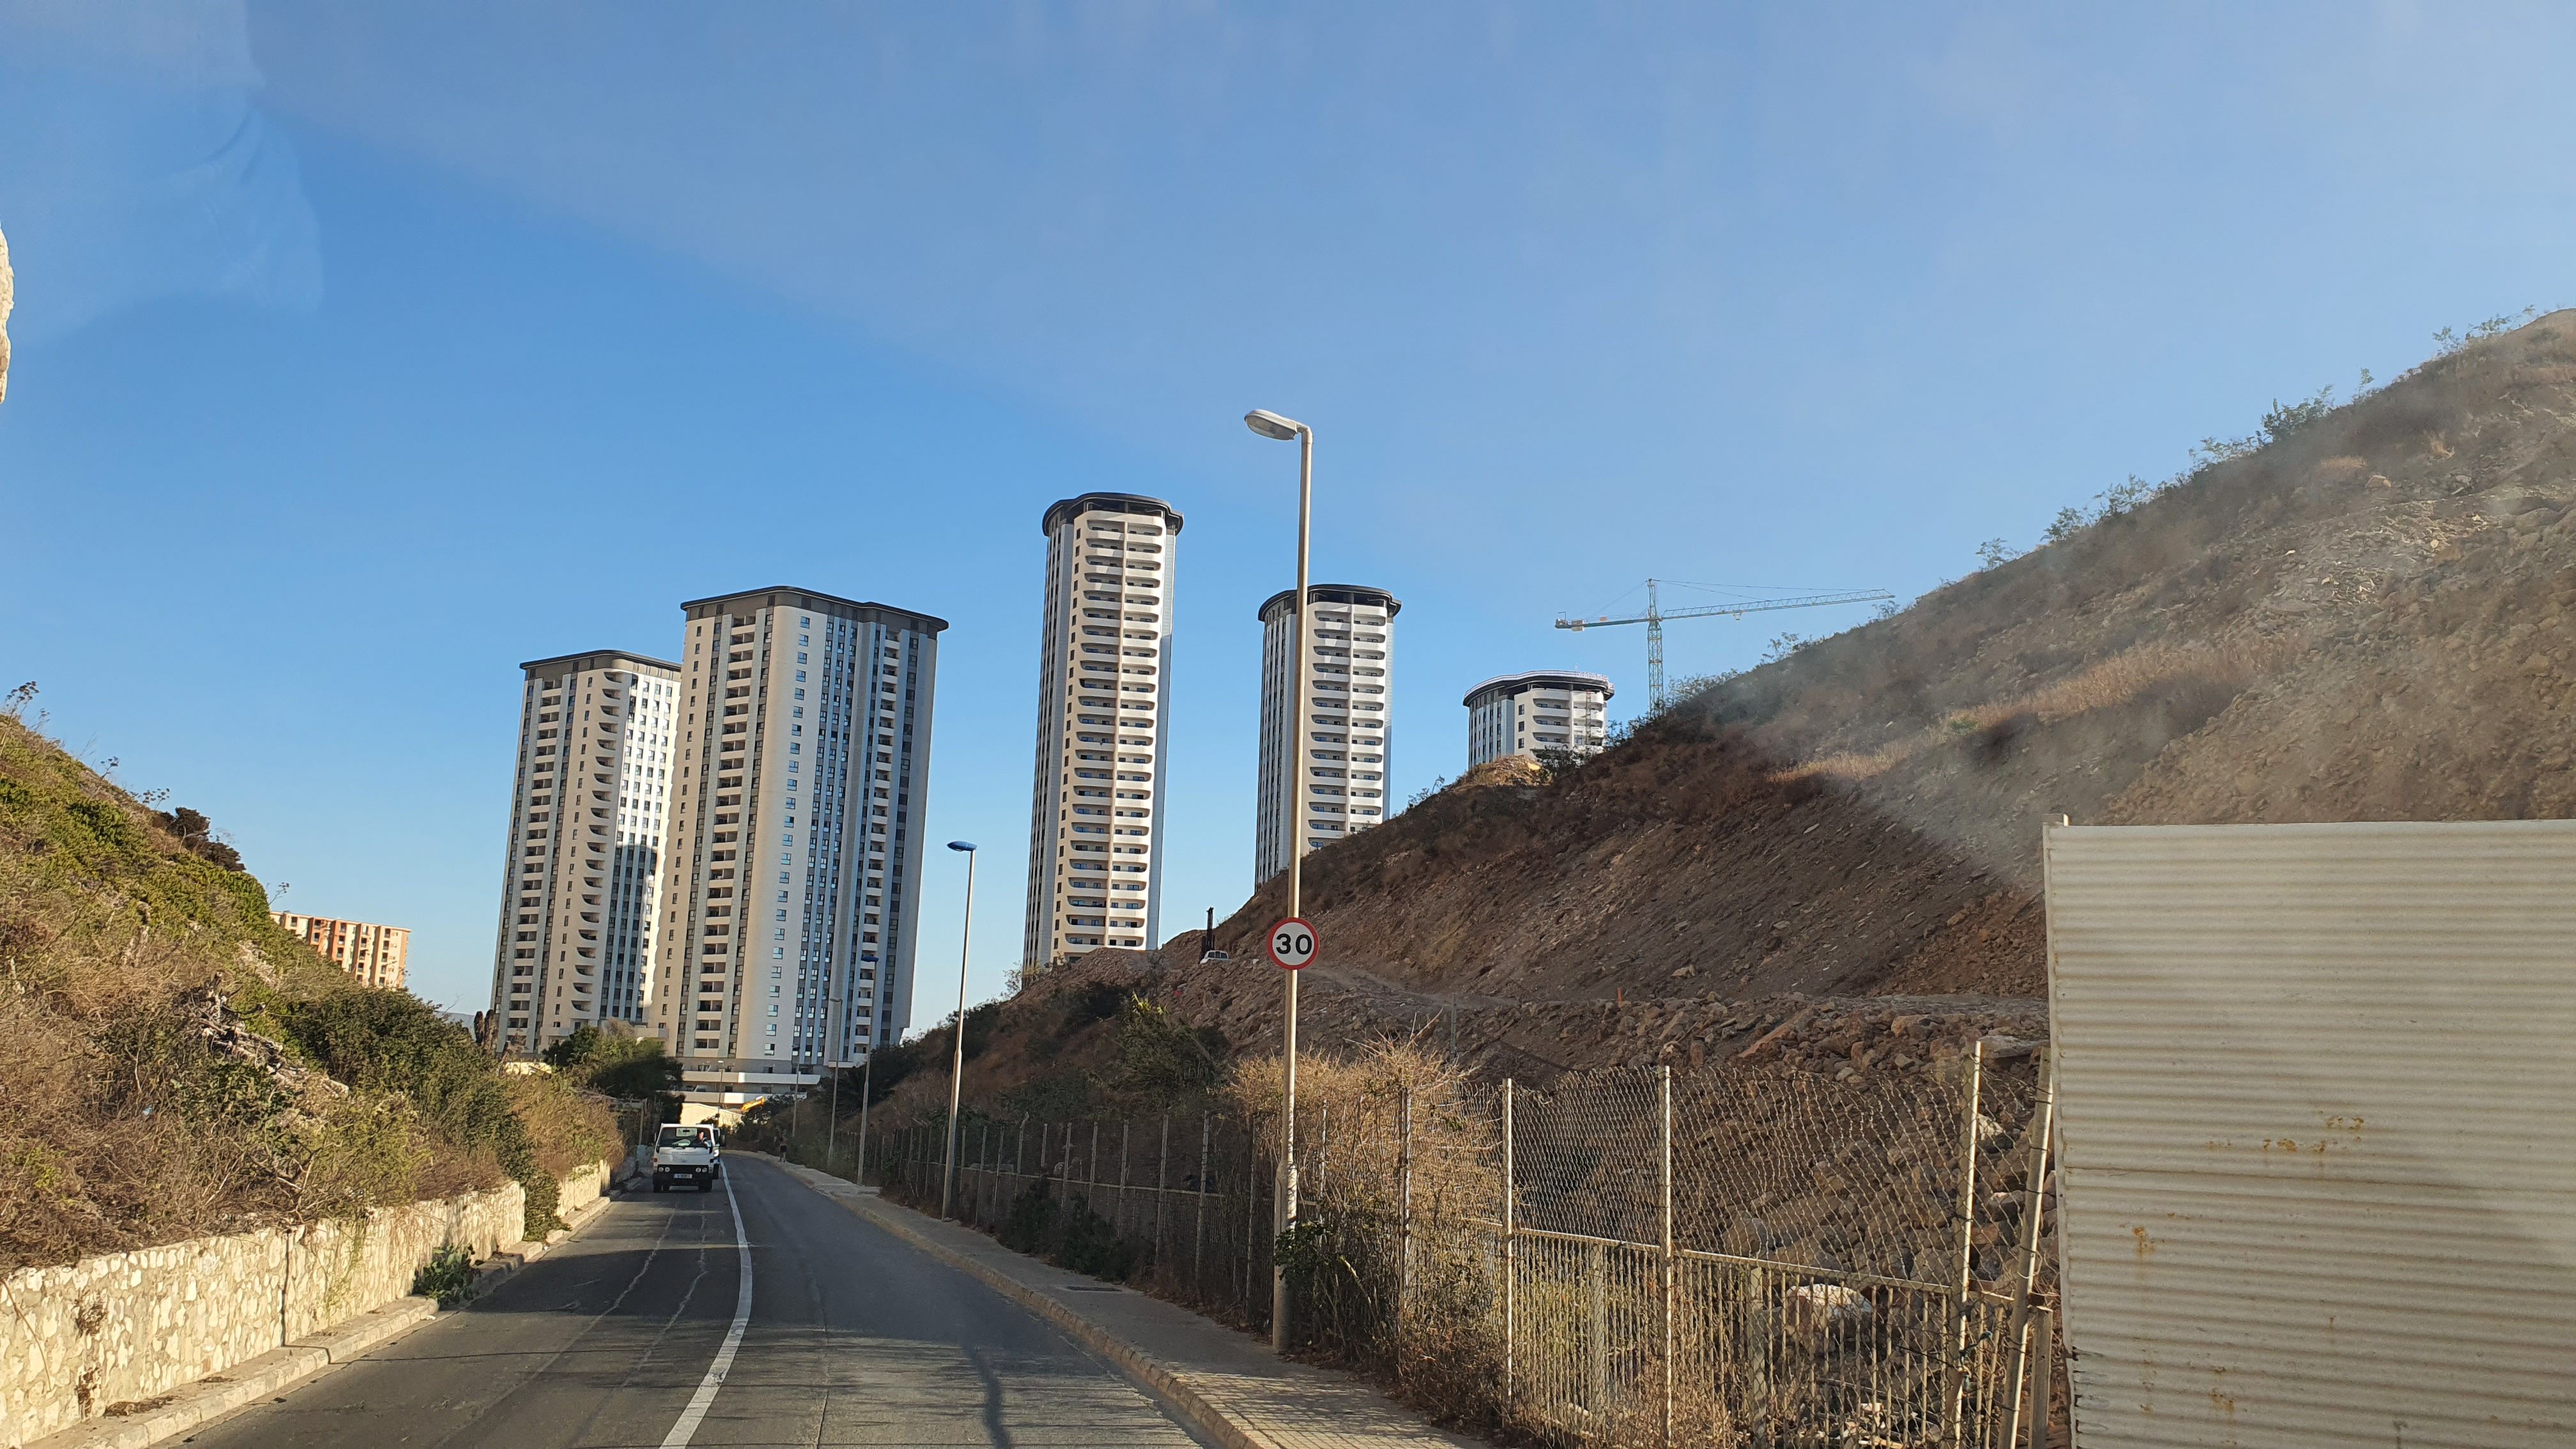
{"x": 1292, "y": 944}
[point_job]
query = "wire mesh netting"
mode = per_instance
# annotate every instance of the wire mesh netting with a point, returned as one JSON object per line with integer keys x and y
{"x": 1732, "y": 1257}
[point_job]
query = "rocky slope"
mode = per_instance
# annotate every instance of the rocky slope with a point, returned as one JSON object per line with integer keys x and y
{"x": 2364, "y": 615}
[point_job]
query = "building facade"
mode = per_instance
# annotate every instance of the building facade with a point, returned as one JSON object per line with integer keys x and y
{"x": 376, "y": 955}
{"x": 589, "y": 812}
{"x": 1346, "y": 740}
{"x": 790, "y": 896}
{"x": 1104, "y": 690}
{"x": 1545, "y": 709}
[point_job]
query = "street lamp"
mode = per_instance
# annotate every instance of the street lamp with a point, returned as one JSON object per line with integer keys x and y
{"x": 867, "y": 1074}
{"x": 957, "y": 1067}
{"x": 1283, "y": 1214}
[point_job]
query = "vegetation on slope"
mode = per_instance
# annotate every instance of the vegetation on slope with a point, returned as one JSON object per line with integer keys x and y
{"x": 176, "y": 1064}
{"x": 2356, "y": 612}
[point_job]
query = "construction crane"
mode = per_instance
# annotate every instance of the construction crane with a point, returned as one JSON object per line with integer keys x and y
{"x": 1656, "y": 614}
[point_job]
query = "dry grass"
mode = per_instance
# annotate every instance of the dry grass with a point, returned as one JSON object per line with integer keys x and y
{"x": 2113, "y": 683}
{"x": 168, "y": 1054}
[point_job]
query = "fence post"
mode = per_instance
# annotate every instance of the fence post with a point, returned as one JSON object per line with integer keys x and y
{"x": 1511, "y": 1253}
{"x": 1251, "y": 1223}
{"x": 1667, "y": 1151}
{"x": 2043, "y": 1331}
{"x": 1967, "y": 1249}
{"x": 1198, "y": 1225}
{"x": 1126, "y": 1129}
{"x": 1323, "y": 1143}
{"x": 1404, "y": 1211}
{"x": 2043, "y": 1116}
{"x": 1091, "y": 1174}
{"x": 1162, "y": 1180}
{"x": 1596, "y": 1334}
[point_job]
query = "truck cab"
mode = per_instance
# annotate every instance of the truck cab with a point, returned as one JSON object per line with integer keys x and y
{"x": 686, "y": 1155}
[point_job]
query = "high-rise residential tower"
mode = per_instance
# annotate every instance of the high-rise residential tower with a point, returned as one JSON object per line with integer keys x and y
{"x": 791, "y": 892}
{"x": 376, "y": 955}
{"x": 1104, "y": 690}
{"x": 581, "y": 880}
{"x": 1544, "y": 709}
{"x": 1345, "y": 739}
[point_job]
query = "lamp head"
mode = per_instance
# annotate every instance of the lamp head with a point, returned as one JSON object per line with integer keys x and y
{"x": 965, "y": 845}
{"x": 1270, "y": 425}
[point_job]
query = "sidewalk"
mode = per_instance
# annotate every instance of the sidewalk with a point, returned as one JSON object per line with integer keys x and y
{"x": 1223, "y": 1383}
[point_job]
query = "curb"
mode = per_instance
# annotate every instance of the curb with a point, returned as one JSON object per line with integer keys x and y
{"x": 501, "y": 1265}
{"x": 193, "y": 1405}
{"x": 1203, "y": 1416}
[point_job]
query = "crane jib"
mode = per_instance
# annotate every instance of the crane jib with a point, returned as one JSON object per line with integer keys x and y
{"x": 1655, "y": 616}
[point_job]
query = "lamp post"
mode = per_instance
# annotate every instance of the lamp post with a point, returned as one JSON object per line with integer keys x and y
{"x": 867, "y": 1078}
{"x": 1284, "y": 1204}
{"x": 957, "y": 1067}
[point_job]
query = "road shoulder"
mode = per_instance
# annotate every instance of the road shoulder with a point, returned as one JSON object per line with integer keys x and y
{"x": 1224, "y": 1385}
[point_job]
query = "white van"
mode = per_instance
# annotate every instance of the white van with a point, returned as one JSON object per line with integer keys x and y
{"x": 686, "y": 1155}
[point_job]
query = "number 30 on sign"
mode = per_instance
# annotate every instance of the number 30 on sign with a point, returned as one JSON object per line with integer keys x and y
{"x": 1292, "y": 944}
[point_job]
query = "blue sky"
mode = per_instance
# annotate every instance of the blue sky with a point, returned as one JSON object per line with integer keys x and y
{"x": 342, "y": 329}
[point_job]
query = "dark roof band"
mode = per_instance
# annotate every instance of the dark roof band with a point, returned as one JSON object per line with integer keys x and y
{"x": 1331, "y": 594}
{"x": 1108, "y": 503}
{"x": 1506, "y": 685}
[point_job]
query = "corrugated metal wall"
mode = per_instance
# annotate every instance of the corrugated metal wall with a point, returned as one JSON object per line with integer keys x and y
{"x": 2318, "y": 1086}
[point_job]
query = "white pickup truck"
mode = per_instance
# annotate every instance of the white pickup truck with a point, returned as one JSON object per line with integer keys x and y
{"x": 686, "y": 1155}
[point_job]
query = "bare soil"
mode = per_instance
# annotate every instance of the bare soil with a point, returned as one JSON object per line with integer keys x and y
{"x": 2373, "y": 618}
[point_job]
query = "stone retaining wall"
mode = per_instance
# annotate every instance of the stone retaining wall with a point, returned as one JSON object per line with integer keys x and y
{"x": 89, "y": 1337}
{"x": 583, "y": 1187}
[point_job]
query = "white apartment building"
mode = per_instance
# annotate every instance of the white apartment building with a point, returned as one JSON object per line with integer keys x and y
{"x": 582, "y": 873}
{"x": 1346, "y": 738}
{"x": 791, "y": 892}
{"x": 1545, "y": 709}
{"x": 376, "y": 955}
{"x": 1104, "y": 681}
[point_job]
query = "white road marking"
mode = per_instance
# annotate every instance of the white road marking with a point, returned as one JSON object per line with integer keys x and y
{"x": 687, "y": 1429}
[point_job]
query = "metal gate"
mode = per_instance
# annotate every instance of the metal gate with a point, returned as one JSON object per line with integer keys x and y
{"x": 2317, "y": 1087}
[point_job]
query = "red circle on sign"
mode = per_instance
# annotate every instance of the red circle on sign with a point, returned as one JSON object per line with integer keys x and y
{"x": 1292, "y": 944}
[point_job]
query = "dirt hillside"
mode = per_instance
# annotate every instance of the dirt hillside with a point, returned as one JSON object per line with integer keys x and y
{"x": 2363, "y": 612}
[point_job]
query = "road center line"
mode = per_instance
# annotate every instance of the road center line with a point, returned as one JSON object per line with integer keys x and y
{"x": 687, "y": 1429}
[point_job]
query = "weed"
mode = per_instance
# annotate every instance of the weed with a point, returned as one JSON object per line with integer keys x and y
{"x": 448, "y": 1276}
{"x": 2285, "y": 421}
{"x": 179, "y": 1064}
{"x": 2447, "y": 342}
{"x": 1031, "y": 1223}
{"x": 1093, "y": 1245}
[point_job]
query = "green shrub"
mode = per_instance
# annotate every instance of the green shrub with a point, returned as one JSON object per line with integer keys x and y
{"x": 1091, "y": 1245}
{"x": 392, "y": 1041}
{"x": 448, "y": 1276}
{"x": 1030, "y": 1222}
{"x": 127, "y": 933}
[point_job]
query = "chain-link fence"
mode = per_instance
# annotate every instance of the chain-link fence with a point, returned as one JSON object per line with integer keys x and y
{"x": 1739, "y": 1257}
{"x": 1179, "y": 1205}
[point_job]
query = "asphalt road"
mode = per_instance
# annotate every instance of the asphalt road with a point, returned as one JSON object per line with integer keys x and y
{"x": 852, "y": 1339}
